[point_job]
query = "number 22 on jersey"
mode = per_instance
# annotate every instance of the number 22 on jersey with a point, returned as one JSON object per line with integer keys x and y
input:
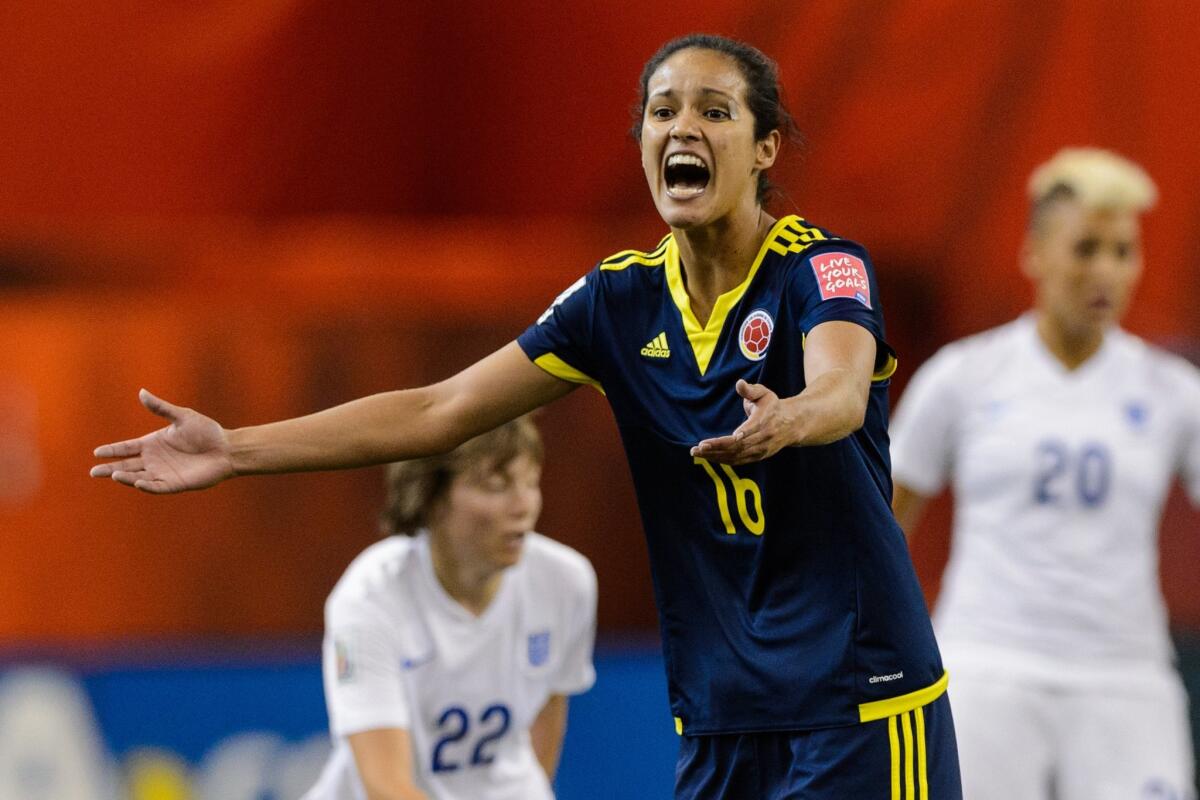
{"x": 455, "y": 725}
{"x": 743, "y": 489}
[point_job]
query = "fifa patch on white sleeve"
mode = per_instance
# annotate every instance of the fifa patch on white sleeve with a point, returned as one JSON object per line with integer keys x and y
{"x": 345, "y": 661}
{"x": 841, "y": 275}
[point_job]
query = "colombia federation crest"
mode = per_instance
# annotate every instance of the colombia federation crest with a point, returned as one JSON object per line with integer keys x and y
{"x": 755, "y": 334}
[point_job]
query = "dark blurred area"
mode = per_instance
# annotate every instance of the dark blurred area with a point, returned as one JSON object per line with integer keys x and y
{"x": 264, "y": 207}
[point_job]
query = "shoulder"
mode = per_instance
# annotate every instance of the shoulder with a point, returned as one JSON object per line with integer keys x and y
{"x": 800, "y": 240}
{"x": 981, "y": 351}
{"x": 548, "y": 561}
{"x": 1161, "y": 370}
{"x": 372, "y": 577}
{"x": 626, "y": 266}
{"x": 964, "y": 366}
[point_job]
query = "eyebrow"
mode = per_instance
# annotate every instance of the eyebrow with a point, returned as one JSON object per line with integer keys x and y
{"x": 704, "y": 90}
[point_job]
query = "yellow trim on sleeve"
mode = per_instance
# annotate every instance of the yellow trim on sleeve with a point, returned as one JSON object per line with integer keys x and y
{"x": 882, "y": 374}
{"x": 887, "y": 370}
{"x": 678, "y": 727}
{"x": 561, "y": 369}
{"x": 880, "y": 709}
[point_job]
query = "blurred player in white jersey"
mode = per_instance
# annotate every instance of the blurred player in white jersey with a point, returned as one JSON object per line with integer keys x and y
{"x": 1060, "y": 435}
{"x": 450, "y": 647}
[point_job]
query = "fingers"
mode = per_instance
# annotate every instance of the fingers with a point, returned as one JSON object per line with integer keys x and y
{"x": 751, "y": 391}
{"x": 141, "y": 479}
{"x": 129, "y": 447}
{"x": 156, "y": 405}
{"x": 107, "y": 470}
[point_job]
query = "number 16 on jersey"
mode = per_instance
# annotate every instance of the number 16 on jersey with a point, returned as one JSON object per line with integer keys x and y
{"x": 743, "y": 489}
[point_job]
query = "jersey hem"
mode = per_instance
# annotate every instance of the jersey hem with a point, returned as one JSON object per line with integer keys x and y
{"x": 881, "y": 709}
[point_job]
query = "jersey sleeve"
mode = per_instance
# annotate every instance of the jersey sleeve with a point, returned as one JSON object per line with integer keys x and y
{"x": 361, "y": 666}
{"x": 836, "y": 282}
{"x": 577, "y": 673}
{"x": 922, "y": 428}
{"x": 560, "y": 342}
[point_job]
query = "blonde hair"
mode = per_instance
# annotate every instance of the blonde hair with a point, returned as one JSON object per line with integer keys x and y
{"x": 414, "y": 487}
{"x": 1099, "y": 180}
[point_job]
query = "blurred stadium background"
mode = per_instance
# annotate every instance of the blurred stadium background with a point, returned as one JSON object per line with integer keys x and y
{"x": 264, "y": 207}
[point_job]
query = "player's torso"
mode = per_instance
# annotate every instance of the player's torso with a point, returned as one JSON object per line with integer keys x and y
{"x": 475, "y": 684}
{"x": 752, "y": 560}
{"x": 1060, "y": 477}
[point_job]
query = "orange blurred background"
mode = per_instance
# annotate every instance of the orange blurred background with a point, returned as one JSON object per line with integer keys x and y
{"x": 264, "y": 207}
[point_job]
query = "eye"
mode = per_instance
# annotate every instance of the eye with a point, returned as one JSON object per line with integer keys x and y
{"x": 662, "y": 112}
{"x": 1123, "y": 250}
{"x": 716, "y": 113}
{"x": 494, "y": 483}
{"x": 1086, "y": 248}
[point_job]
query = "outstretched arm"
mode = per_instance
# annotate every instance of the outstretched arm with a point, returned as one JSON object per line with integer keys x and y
{"x": 839, "y": 358}
{"x": 195, "y": 452}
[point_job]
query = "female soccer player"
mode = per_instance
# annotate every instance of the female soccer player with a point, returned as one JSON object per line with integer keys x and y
{"x": 1061, "y": 434}
{"x": 744, "y": 360}
{"x": 450, "y": 646}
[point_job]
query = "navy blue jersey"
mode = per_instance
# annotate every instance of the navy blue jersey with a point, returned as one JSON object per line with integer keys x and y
{"x": 786, "y": 596}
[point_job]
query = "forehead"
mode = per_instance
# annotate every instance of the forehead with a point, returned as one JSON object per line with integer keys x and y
{"x": 696, "y": 70}
{"x": 519, "y": 465}
{"x": 1069, "y": 219}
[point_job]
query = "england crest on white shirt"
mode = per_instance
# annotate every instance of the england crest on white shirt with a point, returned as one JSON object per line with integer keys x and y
{"x": 539, "y": 648}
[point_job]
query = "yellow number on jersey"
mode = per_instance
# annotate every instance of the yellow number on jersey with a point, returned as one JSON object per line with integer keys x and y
{"x": 741, "y": 488}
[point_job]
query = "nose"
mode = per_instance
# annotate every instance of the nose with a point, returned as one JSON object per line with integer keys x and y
{"x": 685, "y": 127}
{"x": 526, "y": 500}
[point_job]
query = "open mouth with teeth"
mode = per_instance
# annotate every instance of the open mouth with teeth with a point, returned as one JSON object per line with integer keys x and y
{"x": 686, "y": 175}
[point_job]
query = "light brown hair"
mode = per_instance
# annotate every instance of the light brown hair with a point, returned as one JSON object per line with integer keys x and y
{"x": 415, "y": 487}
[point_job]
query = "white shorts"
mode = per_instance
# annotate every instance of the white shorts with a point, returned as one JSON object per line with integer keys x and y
{"x": 1039, "y": 741}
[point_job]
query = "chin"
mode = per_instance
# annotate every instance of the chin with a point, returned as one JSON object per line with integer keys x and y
{"x": 682, "y": 218}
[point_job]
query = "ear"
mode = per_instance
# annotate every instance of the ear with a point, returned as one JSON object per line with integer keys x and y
{"x": 766, "y": 151}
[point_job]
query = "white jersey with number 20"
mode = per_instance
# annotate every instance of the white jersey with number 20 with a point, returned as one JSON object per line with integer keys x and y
{"x": 1059, "y": 480}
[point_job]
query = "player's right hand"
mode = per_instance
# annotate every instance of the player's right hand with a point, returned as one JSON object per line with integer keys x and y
{"x": 190, "y": 453}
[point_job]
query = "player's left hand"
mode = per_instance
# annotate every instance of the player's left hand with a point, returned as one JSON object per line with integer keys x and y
{"x": 767, "y": 430}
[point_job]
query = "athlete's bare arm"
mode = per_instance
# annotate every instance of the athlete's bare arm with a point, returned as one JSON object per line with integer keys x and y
{"x": 384, "y": 761}
{"x": 839, "y": 359}
{"x": 547, "y": 733}
{"x": 908, "y": 505}
{"x": 195, "y": 452}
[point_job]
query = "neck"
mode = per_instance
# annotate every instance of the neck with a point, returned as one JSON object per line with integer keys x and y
{"x": 1071, "y": 346}
{"x": 717, "y": 257}
{"x": 472, "y": 586}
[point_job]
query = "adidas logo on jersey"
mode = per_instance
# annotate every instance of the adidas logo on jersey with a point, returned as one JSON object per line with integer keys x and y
{"x": 657, "y": 347}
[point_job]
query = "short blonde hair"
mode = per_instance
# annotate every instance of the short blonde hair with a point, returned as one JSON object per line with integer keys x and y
{"x": 1099, "y": 180}
{"x": 414, "y": 487}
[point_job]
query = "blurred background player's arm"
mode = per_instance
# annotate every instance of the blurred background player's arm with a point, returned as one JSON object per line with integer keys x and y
{"x": 923, "y": 431}
{"x": 384, "y": 761}
{"x": 195, "y": 452}
{"x": 547, "y": 733}
{"x": 908, "y": 505}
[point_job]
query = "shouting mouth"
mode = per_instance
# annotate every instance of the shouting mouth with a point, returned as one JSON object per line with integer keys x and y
{"x": 686, "y": 176}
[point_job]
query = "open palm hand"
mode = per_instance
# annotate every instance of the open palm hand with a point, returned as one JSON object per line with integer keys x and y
{"x": 190, "y": 453}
